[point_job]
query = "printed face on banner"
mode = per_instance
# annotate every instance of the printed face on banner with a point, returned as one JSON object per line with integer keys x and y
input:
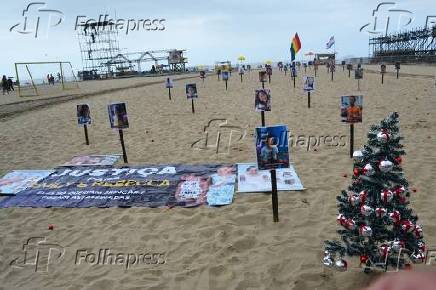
{"x": 397, "y": 65}
{"x": 225, "y": 75}
{"x": 83, "y": 114}
{"x": 309, "y": 83}
{"x": 383, "y": 68}
{"x": 191, "y": 91}
{"x": 262, "y": 76}
{"x": 202, "y": 74}
{"x": 118, "y": 116}
{"x": 262, "y": 100}
{"x": 351, "y": 109}
{"x": 169, "y": 83}
{"x": 358, "y": 73}
{"x": 18, "y": 180}
{"x": 349, "y": 67}
{"x": 272, "y": 147}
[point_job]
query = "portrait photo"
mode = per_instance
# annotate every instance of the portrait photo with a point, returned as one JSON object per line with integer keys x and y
{"x": 202, "y": 74}
{"x": 383, "y": 68}
{"x": 118, "y": 116}
{"x": 83, "y": 114}
{"x": 309, "y": 83}
{"x": 262, "y": 76}
{"x": 358, "y": 73}
{"x": 191, "y": 91}
{"x": 262, "y": 100}
{"x": 272, "y": 147}
{"x": 351, "y": 109}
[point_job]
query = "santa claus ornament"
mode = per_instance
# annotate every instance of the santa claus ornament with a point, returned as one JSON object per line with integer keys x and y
{"x": 386, "y": 196}
{"x": 383, "y": 136}
{"x": 365, "y": 231}
{"x": 368, "y": 170}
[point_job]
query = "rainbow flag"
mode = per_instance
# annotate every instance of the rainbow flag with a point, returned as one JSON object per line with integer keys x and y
{"x": 295, "y": 46}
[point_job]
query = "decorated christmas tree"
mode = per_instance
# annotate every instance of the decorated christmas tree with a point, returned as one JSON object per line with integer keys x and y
{"x": 376, "y": 223}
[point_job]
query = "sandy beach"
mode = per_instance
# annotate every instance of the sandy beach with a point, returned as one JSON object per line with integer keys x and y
{"x": 232, "y": 247}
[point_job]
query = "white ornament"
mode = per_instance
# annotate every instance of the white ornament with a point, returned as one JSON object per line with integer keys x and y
{"x": 368, "y": 170}
{"x": 357, "y": 155}
{"x": 386, "y": 166}
{"x": 366, "y": 210}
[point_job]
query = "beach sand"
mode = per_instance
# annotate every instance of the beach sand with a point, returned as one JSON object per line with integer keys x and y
{"x": 232, "y": 247}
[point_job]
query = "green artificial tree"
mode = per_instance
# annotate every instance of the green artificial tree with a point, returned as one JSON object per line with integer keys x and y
{"x": 376, "y": 223}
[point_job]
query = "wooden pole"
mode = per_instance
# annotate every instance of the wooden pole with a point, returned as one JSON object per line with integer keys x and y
{"x": 62, "y": 76}
{"x": 263, "y": 84}
{"x": 269, "y": 78}
{"x": 398, "y": 73}
{"x": 358, "y": 84}
{"x": 122, "y": 145}
{"x": 332, "y": 74}
{"x": 192, "y": 106}
{"x": 85, "y": 127}
{"x": 18, "y": 81}
{"x": 262, "y": 116}
{"x": 274, "y": 196}
{"x": 383, "y": 77}
{"x": 169, "y": 93}
{"x": 351, "y": 139}
{"x": 241, "y": 78}
{"x": 349, "y": 73}
{"x": 294, "y": 80}
{"x": 316, "y": 71}
{"x": 308, "y": 99}
{"x": 226, "y": 85}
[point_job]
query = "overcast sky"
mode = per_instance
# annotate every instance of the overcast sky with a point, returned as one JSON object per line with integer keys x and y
{"x": 210, "y": 30}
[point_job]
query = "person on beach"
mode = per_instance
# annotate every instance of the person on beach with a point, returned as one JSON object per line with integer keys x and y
{"x": 10, "y": 85}
{"x": 5, "y": 86}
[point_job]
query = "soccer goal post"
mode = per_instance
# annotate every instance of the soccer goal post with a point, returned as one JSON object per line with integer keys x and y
{"x": 44, "y": 78}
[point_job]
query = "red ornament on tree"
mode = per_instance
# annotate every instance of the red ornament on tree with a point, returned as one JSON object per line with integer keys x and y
{"x": 398, "y": 160}
{"x": 407, "y": 226}
{"x": 380, "y": 212}
{"x": 363, "y": 259}
{"x": 356, "y": 172}
{"x": 395, "y": 216}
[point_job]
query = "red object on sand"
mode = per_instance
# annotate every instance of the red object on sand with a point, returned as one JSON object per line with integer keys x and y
{"x": 51, "y": 227}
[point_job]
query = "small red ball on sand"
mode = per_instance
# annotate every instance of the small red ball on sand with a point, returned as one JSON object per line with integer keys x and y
{"x": 344, "y": 175}
{"x": 51, "y": 227}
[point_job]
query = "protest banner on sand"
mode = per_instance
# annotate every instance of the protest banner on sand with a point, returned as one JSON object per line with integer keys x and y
{"x": 145, "y": 186}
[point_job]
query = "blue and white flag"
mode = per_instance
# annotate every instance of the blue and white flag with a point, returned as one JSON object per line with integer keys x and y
{"x": 331, "y": 42}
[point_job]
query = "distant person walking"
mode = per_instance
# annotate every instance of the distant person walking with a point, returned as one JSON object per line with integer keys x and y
{"x": 10, "y": 85}
{"x": 5, "y": 86}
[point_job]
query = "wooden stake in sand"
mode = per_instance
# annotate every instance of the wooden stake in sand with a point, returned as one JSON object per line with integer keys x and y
{"x": 274, "y": 196}
{"x": 308, "y": 99}
{"x": 85, "y": 128}
{"x": 123, "y": 147}
{"x": 169, "y": 93}
{"x": 192, "y": 106}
